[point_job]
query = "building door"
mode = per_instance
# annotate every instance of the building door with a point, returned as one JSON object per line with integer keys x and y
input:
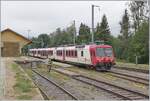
{"x": 10, "y": 49}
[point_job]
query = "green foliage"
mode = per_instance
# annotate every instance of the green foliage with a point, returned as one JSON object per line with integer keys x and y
{"x": 135, "y": 43}
{"x": 23, "y": 86}
{"x": 139, "y": 45}
{"x": 84, "y": 34}
{"x": 102, "y": 30}
{"x": 24, "y": 97}
{"x": 43, "y": 40}
{"x": 125, "y": 36}
{"x": 138, "y": 13}
{"x": 62, "y": 37}
{"x": 22, "y": 83}
{"x": 116, "y": 44}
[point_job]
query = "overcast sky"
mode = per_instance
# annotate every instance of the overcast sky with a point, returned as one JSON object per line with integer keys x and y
{"x": 46, "y": 16}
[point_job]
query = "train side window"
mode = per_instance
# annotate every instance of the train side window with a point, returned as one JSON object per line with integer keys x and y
{"x": 72, "y": 53}
{"x": 75, "y": 53}
{"x": 81, "y": 53}
{"x": 66, "y": 53}
{"x": 69, "y": 53}
{"x": 61, "y": 53}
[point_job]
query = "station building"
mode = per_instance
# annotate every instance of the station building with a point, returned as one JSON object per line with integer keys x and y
{"x": 12, "y": 43}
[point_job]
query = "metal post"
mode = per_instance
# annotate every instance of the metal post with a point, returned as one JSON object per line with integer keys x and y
{"x": 92, "y": 23}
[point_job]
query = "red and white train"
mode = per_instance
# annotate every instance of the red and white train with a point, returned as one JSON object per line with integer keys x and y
{"x": 99, "y": 57}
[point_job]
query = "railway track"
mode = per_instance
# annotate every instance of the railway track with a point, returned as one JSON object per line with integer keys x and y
{"x": 133, "y": 69}
{"x": 131, "y": 78}
{"x": 124, "y": 93}
{"x": 53, "y": 88}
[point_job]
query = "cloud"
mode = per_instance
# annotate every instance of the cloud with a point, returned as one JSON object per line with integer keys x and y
{"x": 46, "y": 16}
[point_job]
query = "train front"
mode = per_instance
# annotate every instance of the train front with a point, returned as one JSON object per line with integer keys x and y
{"x": 104, "y": 57}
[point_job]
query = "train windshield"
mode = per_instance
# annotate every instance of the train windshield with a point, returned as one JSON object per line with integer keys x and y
{"x": 104, "y": 52}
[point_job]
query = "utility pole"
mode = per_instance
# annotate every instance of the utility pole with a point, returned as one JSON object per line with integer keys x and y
{"x": 93, "y": 22}
{"x": 74, "y": 39}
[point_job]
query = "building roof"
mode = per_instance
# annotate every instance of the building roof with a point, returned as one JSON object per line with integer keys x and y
{"x": 8, "y": 29}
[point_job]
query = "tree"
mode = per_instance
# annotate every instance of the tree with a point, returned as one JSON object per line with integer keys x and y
{"x": 102, "y": 30}
{"x": 139, "y": 12}
{"x": 125, "y": 26}
{"x": 70, "y": 31}
{"x": 62, "y": 37}
{"x": 140, "y": 44}
{"x": 44, "y": 40}
{"x": 84, "y": 34}
{"x": 125, "y": 34}
{"x": 35, "y": 43}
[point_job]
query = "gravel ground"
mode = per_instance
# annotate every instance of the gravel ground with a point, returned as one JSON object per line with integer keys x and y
{"x": 10, "y": 76}
{"x": 81, "y": 90}
{"x": 104, "y": 76}
{"x": 2, "y": 77}
{"x": 110, "y": 79}
{"x": 53, "y": 92}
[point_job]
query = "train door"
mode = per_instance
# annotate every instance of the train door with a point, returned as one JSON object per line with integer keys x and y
{"x": 81, "y": 56}
{"x": 63, "y": 54}
{"x": 92, "y": 55}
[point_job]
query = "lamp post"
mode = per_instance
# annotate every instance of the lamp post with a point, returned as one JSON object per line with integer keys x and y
{"x": 93, "y": 22}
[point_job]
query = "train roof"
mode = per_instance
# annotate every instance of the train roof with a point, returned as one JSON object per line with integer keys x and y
{"x": 75, "y": 46}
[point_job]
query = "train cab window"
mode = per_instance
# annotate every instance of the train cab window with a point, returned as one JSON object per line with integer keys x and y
{"x": 81, "y": 53}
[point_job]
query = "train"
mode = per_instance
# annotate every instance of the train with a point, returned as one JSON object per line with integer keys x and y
{"x": 98, "y": 57}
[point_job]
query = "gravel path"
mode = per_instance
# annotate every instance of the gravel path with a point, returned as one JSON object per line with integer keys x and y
{"x": 2, "y": 78}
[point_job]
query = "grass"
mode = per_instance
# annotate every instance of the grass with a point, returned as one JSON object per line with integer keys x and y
{"x": 24, "y": 97}
{"x": 132, "y": 65}
{"x": 23, "y": 85}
